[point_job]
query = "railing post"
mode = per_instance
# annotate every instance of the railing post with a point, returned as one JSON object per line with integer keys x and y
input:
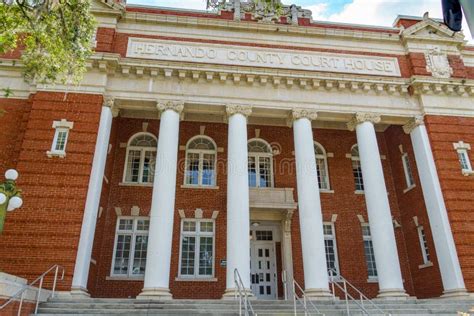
{"x": 21, "y": 304}
{"x": 304, "y": 304}
{"x": 54, "y": 282}
{"x": 294, "y": 296}
{"x": 38, "y": 295}
{"x": 347, "y": 300}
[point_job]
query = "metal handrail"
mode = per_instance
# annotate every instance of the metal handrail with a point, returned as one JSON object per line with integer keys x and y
{"x": 240, "y": 285}
{"x": 347, "y": 295}
{"x": 302, "y": 300}
{"x": 22, "y": 291}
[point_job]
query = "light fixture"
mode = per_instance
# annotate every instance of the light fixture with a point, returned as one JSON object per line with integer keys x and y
{"x": 256, "y": 224}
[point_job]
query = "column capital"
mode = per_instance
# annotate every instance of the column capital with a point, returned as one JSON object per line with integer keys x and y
{"x": 300, "y": 113}
{"x": 109, "y": 101}
{"x": 413, "y": 123}
{"x": 362, "y": 117}
{"x": 245, "y": 110}
{"x": 174, "y": 105}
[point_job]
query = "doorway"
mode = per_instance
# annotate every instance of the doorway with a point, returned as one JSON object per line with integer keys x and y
{"x": 263, "y": 268}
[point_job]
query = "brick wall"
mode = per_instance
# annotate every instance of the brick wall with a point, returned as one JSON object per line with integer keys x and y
{"x": 13, "y": 122}
{"x": 343, "y": 202}
{"x": 45, "y": 231}
{"x": 457, "y": 189}
{"x": 426, "y": 281}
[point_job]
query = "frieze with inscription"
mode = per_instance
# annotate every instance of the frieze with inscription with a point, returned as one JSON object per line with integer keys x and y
{"x": 256, "y": 57}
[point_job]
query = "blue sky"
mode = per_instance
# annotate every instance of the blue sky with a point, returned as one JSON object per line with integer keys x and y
{"x": 370, "y": 12}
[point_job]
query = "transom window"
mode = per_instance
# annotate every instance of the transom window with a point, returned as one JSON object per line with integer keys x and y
{"x": 131, "y": 241}
{"x": 197, "y": 249}
{"x": 408, "y": 171}
{"x": 201, "y": 155}
{"x": 260, "y": 164}
{"x": 322, "y": 166}
{"x": 331, "y": 249}
{"x": 141, "y": 158}
{"x": 357, "y": 169}
{"x": 369, "y": 252}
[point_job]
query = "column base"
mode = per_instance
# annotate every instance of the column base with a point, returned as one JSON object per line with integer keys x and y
{"x": 79, "y": 292}
{"x": 318, "y": 294}
{"x": 393, "y": 294}
{"x": 455, "y": 294}
{"x": 231, "y": 294}
{"x": 156, "y": 293}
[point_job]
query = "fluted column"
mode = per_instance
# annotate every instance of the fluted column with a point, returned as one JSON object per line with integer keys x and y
{"x": 86, "y": 240}
{"x": 158, "y": 260}
{"x": 378, "y": 207}
{"x": 451, "y": 274}
{"x": 309, "y": 206}
{"x": 238, "y": 213}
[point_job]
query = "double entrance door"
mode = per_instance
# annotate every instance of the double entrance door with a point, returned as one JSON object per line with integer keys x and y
{"x": 263, "y": 276}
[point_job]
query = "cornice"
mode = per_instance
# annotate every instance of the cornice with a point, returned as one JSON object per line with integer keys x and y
{"x": 355, "y": 34}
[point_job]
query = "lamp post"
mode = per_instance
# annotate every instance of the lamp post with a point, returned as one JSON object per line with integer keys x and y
{"x": 10, "y": 196}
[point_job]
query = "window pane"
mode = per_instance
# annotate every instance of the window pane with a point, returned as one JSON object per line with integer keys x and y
{"x": 122, "y": 254}
{"x": 207, "y": 227}
{"x": 463, "y": 160}
{"x": 330, "y": 255}
{"x": 264, "y": 235}
{"x": 192, "y": 169}
{"x": 322, "y": 175}
{"x": 143, "y": 224}
{"x": 208, "y": 169}
{"x": 187, "y": 255}
{"x": 370, "y": 258}
{"x": 408, "y": 170}
{"x": 148, "y": 166}
{"x": 252, "y": 169}
{"x": 126, "y": 224}
{"x": 357, "y": 171}
{"x": 327, "y": 229}
{"x": 189, "y": 226}
{"x": 144, "y": 140}
{"x": 133, "y": 166}
{"x": 205, "y": 255}
{"x": 61, "y": 140}
{"x": 265, "y": 177}
{"x": 139, "y": 258}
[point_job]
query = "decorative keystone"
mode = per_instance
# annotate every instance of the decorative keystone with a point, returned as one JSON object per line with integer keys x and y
{"x": 413, "y": 123}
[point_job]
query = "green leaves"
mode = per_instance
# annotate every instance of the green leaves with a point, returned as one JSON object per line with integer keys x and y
{"x": 55, "y": 37}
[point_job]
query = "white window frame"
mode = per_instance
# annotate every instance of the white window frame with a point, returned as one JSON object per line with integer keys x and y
{"x": 201, "y": 153}
{"x": 462, "y": 151}
{"x": 353, "y": 159}
{"x": 423, "y": 245}
{"x": 409, "y": 178}
{"x": 324, "y": 157}
{"x": 197, "y": 234}
{"x": 369, "y": 238}
{"x": 142, "y": 150}
{"x": 333, "y": 238}
{"x": 62, "y": 126}
{"x": 133, "y": 233}
{"x": 257, "y": 157}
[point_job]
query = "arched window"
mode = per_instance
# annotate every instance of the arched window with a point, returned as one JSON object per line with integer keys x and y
{"x": 201, "y": 152}
{"x": 260, "y": 164}
{"x": 356, "y": 168}
{"x": 140, "y": 160}
{"x": 321, "y": 166}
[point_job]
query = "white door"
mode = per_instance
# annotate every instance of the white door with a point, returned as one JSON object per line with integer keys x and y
{"x": 263, "y": 270}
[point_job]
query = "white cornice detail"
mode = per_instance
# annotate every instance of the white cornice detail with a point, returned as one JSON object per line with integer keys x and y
{"x": 360, "y": 117}
{"x": 413, "y": 123}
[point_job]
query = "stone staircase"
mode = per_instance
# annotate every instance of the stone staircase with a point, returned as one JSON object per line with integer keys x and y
{"x": 227, "y": 308}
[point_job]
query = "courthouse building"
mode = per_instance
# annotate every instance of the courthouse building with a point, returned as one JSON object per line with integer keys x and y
{"x": 243, "y": 138}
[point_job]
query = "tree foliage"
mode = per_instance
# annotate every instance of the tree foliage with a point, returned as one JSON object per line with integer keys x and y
{"x": 54, "y": 36}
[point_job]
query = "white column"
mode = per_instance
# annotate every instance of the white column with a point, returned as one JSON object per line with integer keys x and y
{"x": 238, "y": 214}
{"x": 157, "y": 272}
{"x": 451, "y": 274}
{"x": 378, "y": 207}
{"x": 309, "y": 207}
{"x": 86, "y": 240}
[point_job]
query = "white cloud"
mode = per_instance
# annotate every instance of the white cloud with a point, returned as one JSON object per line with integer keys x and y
{"x": 382, "y": 12}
